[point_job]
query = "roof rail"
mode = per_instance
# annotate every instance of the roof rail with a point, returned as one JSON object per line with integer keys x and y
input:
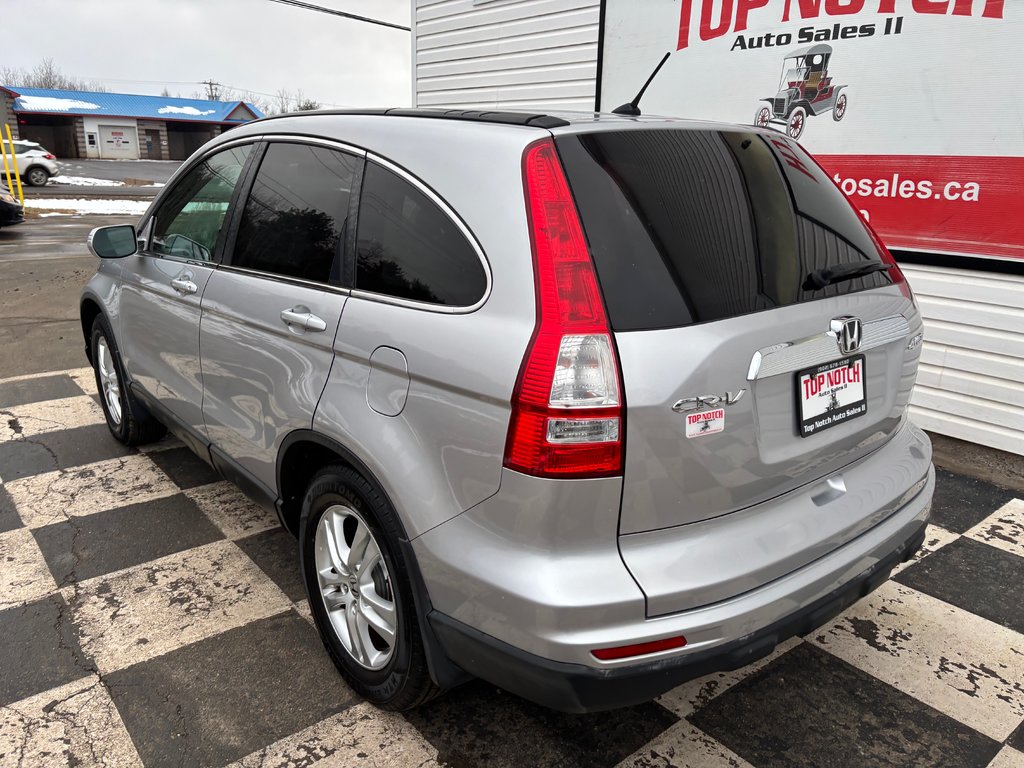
{"x": 534, "y": 120}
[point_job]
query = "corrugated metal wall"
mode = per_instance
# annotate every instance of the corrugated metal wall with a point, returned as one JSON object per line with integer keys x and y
{"x": 517, "y": 54}
{"x": 971, "y": 381}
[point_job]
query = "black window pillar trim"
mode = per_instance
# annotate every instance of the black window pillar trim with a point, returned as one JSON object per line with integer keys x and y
{"x": 351, "y": 253}
{"x": 238, "y": 202}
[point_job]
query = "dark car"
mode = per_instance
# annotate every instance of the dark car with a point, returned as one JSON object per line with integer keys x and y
{"x": 11, "y": 211}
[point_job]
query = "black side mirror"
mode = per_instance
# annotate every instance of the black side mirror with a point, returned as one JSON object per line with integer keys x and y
{"x": 113, "y": 242}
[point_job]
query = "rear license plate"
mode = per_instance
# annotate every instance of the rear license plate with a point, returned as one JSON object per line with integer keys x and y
{"x": 830, "y": 394}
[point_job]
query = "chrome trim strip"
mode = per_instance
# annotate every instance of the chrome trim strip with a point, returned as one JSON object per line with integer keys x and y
{"x": 467, "y": 233}
{"x": 789, "y": 357}
{"x": 285, "y": 279}
{"x": 292, "y": 138}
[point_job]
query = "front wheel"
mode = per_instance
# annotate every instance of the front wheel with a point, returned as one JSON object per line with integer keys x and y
{"x": 37, "y": 177}
{"x": 359, "y": 590}
{"x": 797, "y": 121}
{"x": 839, "y": 110}
{"x": 127, "y": 420}
{"x": 763, "y": 117}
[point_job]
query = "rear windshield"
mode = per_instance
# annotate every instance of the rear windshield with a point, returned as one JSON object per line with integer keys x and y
{"x": 691, "y": 226}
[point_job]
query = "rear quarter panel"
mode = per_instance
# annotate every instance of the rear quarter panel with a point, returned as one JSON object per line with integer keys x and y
{"x": 443, "y": 452}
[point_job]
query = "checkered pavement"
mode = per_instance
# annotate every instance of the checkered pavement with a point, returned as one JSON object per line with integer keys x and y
{"x": 150, "y": 614}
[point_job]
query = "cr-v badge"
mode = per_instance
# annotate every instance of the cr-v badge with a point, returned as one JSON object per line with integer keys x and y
{"x": 688, "y": 404}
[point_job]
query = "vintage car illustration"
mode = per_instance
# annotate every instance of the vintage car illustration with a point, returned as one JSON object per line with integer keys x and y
{"x": 805, "y": 89}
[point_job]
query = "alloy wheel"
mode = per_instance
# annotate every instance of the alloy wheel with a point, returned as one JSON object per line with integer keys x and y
{"x": 108, "y": 380}
{"x": 356, "y": 587}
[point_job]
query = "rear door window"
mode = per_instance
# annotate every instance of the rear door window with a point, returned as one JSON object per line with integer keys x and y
{"x": 295, "y": 220}
{"x": 691, "y": 226}
{"x": 409, "y": 248}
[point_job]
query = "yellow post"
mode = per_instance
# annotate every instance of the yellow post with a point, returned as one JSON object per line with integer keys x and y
{"x": 14, "y": 159}
{"x": 7, "y": 168}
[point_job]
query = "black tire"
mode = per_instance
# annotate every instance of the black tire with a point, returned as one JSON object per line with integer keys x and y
{"x": 36, "y": 176}
{"x": 404, "y": 681}
{"x": 131, "y": 423}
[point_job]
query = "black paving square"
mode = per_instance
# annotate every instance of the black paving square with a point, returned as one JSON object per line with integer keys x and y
{"x": 9, "y": 519}
{"x": 961, "y": 502}
{"x": 276, "y": 552}
{"x": 38, "y": 649}
{"x": 217, "y": 700}
{"x": 58, "y": 450}
{"x": 1016, "y": 739}
{"x": 477, "y": 724}
{"x": 185, "y": 468}
{"x": 108, "y": 541}
{"x": 14, "y": 393}
{"x": 976, "y": 577}
{"x": 810, "y": 708}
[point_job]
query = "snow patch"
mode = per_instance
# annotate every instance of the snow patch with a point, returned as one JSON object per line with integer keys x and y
{"x": 53, "y": 104}
{"x": 85, "y": 181}
{"x": 80, "y": 205}
{"x": 185, "y": 111}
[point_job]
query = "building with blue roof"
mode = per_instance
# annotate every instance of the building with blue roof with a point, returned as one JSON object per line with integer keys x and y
{"x": 77, "y": 124}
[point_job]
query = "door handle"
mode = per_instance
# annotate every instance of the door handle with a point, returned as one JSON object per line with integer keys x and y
{"x": 301, "y": 317}
{"x": 183, "y": 285}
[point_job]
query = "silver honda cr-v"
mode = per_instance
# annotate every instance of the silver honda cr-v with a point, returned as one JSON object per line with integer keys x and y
{"x": 585, "y": 406}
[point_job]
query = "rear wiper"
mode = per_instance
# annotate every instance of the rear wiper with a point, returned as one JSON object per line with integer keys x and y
{"x": 819, "y": 278}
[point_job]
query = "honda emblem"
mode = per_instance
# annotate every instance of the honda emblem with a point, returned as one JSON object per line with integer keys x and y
{"x": 847, "y": 331}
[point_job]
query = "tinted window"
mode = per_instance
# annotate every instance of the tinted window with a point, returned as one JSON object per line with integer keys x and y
{"x": 20, "y": 149}
{"x": 188, "y": 221}
{"x": 690, "y": 226}
{"x": 294, "y": 222}
{"x": 409, "y": 248}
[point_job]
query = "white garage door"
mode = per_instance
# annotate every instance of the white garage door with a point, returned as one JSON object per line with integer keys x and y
{"x": 118, "y": 141}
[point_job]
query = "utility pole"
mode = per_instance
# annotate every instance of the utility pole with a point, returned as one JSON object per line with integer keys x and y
{"x": 211, "y": 85}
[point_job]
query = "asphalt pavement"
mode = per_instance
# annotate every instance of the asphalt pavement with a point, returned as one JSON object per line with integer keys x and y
{"x": 43, "y": 265}
{"x": 152, "y": 171}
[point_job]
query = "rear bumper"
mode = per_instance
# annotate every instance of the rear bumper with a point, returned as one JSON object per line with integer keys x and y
{"x": 577, "y": 688}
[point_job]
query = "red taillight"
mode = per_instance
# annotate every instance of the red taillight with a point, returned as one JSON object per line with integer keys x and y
{"x": 50, "y": 157}
{"x": 640, "y": 649}
{"x": 567, "y": 414}
{"x": 898, "y": 278}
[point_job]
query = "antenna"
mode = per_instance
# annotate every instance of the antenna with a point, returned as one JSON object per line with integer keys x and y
{"x": 631, "y": 108}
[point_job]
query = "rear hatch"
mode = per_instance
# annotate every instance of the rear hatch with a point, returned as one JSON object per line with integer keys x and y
{"x": 710, "y": 245}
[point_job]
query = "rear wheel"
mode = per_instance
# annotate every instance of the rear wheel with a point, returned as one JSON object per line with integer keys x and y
{"x": 359, "y": 590}
{"x": 762, "y": 117}
{"x": 797, "y": 121}
{"x": 127, "y": 419}
{"x": 37, "y": 176}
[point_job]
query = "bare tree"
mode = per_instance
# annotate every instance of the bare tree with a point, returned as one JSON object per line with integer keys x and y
{"x": 282, "y": 102}
{"x": 305, "y": 104}
{"x": 46, "y": 74}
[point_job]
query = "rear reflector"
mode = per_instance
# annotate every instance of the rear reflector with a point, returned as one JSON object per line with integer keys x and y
{"x": 640, "y": 649}
{"x": 567, "y": 406}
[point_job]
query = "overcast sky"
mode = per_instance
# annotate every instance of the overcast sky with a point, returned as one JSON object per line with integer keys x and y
{"x": 254, "y": 45}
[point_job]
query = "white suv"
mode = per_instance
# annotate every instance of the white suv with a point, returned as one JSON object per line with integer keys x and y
{"x": 36, "y": 164}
